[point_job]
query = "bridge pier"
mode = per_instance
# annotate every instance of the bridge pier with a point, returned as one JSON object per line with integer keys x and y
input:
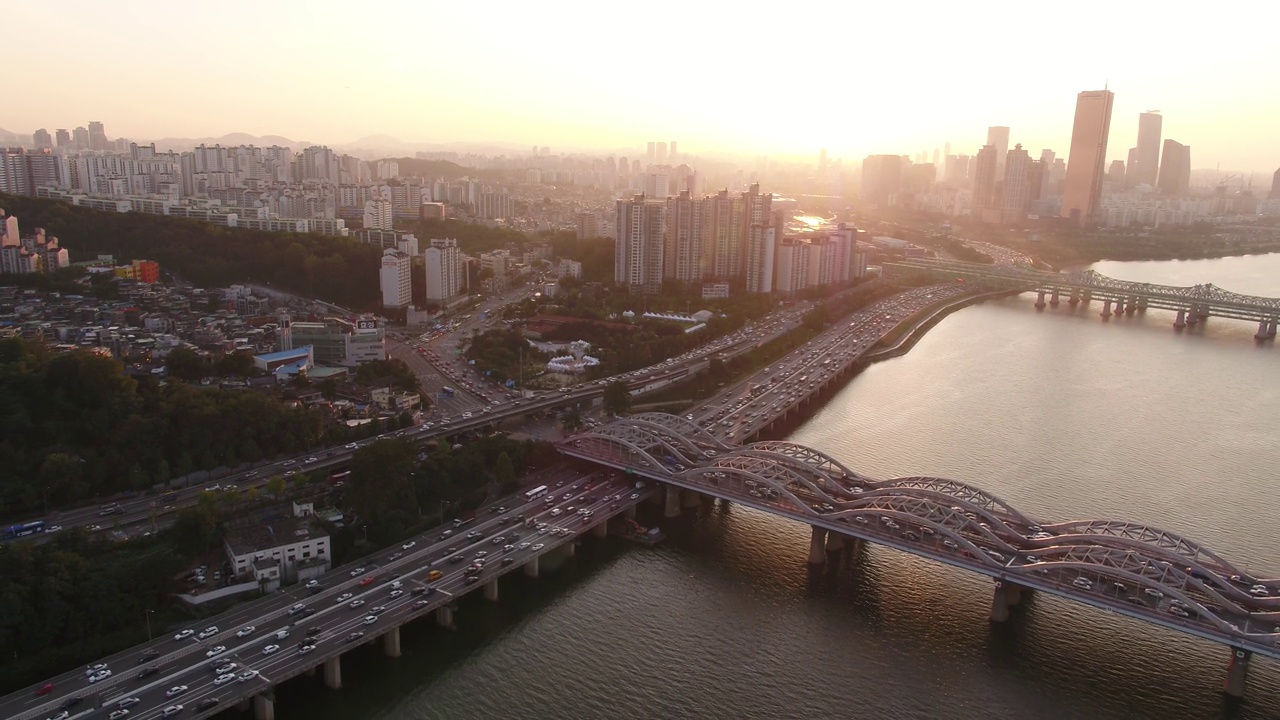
{"x": 531, "y": 567}
{"x": 1237, "y": 672}
{"x": 569, "y": 549}
{"x": 1142, "y": 303}
{"x": 1053, "y": 299}
{"x": 1271, "y": 328}
{"x": 1040, "y": 300}
{"x": 1087, "y": 297}
{"x": 1131, "y": 306}
{"x": 1181, "y": 322}
{"x": 835, "y": 542}
{"x": 391, "y": 642}
{"x": 817, "y": 546}
{"x": 264, "y": 708}
{"x": 673, "y": 502}
{"x": 333, "y": 673}
{"x": 630, "y": 511}
{"x": 1193, "y": 315}
{"x": 690, "y": 498}
{"x": 601, "y": 529}
{"x": 1262, "y": 331}
{"x": 1119, "y": 306}
{"x": 491, "y": 590}
{"x": 444, "y": 617}
{"x": 1000, "y": 603}
{"x": 1074, "y": 299}
{"x": 1106, "y": 309}
{"x": 245, "y": 705}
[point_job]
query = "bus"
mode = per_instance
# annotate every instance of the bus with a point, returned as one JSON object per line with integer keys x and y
{"x": 535, "y": 493}
{"x": 25, "y": 529}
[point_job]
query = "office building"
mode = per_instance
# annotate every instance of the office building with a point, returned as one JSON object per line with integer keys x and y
{"x": 64, "y": 138}
{"x": 682, "y": 256}
{"x": 984, "y": 183}
{"x": 98, "y": 137}
{"x": 395, "y": 279}
{"x": 882, "y": 177}
{"x": 1275, "y": 186}
{"x": 1086, "y": 160}
{"x": 1146, "y": 172}
{"x": 638, "y": 250}
{"x": 1116, "y": 175}
{"x": 998, "y": 138}
{"x": 1016, "y": 186}
{"x": 1175, "y": 169}
{"x": 444, "y": 270}
{"x": 42, "y": 139}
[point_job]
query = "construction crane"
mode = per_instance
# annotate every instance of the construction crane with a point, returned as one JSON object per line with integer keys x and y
{"x": 1222, "y": 184}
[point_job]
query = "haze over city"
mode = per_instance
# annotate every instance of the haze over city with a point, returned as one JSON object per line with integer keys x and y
{"x": 579, "y": 76}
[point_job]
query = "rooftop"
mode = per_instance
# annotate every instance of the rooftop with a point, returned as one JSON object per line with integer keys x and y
{"x": 285, "y": 354}
{"x": 250, "y": 539}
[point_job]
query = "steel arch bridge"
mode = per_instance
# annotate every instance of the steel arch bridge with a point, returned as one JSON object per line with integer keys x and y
{"x": 1204, "y": 299}
{"x": 1138, "y": 570}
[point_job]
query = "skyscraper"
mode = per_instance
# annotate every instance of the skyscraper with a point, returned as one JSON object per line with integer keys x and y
{"x": 64, "y": 138}
{"x": 638, "y": 254}
{"x": 394, "y": 279}
{"x": 984, "y": 182}
{"x": 98, "y": 136}
{"x": 1116, "y": 173}
{"x": 1275, "y": 186}
{"x": 998, "y": 137}
{"x": 662, "y": 153}
{"x": 761, "y": 250}
{"x": 1175, "y": 171}
{"x": 1083, "y": 185}
{"x": 42, "y": 139}
{"x": 1131, "y": 168}
{"x": 673, "y": 150}
{"x": 1013, "y": 204}
{"x": 682, "y": 256}
{"x": 882, "y": 178}
{"x": 81, "y": 136}
{"x": 444, "y": 270}
{"x": 1149, "y": 124}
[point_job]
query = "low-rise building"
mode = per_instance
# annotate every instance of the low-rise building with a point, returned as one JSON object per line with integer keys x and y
{"x": 286, "y": 549}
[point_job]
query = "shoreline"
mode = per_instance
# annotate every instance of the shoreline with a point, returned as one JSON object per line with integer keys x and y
{"x": 923, "y": 324}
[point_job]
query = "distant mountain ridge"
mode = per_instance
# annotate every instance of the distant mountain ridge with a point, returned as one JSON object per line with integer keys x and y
{"x": 233, "y": 139}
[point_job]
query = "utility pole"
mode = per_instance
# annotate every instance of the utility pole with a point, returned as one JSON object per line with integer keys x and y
{"x": 149, "y": 611}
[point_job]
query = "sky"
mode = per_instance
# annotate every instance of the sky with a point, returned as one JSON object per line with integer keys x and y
{"x": 781, "y": 79}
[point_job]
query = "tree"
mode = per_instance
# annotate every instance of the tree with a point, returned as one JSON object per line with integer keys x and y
{"x": 275, "y": 486}
{"x": 381, "y": 491}
{"x": 572, "y": 421}
{"x": 328, "y": 388}
{"x": 617, "y": 398}
{"x": 184, "y": 364}
{"x": 505, "y": 474}
{"x": 238, "y": 364}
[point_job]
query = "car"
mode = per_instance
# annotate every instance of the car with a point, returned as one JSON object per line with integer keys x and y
{"x": 208, "y": 632}
{"x": 357, "y": 572}
{"x": 95, "y": 668}
{"x": 246, "y": 631}
{"x": 421, "y": 604}
{"x": 523, "y": 546}
{"x": 378, "y": 610}
{"x": 296, "y": 609}
{"x": 216, "y": 650}
{"x": 224, "y": 678}
{"x": 635, "y": 496}
{"x": 396, "y": 593}
{"x": 247, "y": 675}
{"x": 344, "y": 597}
{"x": 366, "y": 581}
{"x": 149, "y": 670}
{"x": 370, "y": 619}
{"x": 176, "y": 690}
{"x": 355, "y": 603}
{"x": 207, "y": 703}
{"x": 354, "y": 636}
{"x": 128, "y": 702}
{"x": 148, "y": 655}
{"x": 311, "y": 460}
{"x": 44, "y": 689}
{"x": 306, "y": 649}
{"x": 434, "y": 575}
{"x": 228, "y": 668}
{"x": 538, "y": 547}
{"x": 394, "y": 556}
{"x": 184, "y": 634}
{"x": 99, "y": 676}
{"x": 408, "y": 545}
{"x": 117, "y": 714}
{"x": 312, "y": 584}
{"x": 270, "y": 649}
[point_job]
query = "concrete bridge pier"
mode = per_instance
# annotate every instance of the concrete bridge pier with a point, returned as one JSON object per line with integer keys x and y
{"x": 1131, "y": 306}
{"x": 264, "y": 708}
{"x": 1040, "y": 300}
{"x": 1087, "y": 297}
{"x": 1181, "y": 322}
{"x": 1271, "y": 328}
{"x": 629, "y": 511}
{"x": 569, "y": 549}
{"x": 444, "y": 617}
{"x": 1106, "y": 309}
{"x": 818, "y": 546}
{"x": 1142, "y": 303}
{"x": 673, "y": 502}
{"x": 691, "y": 498}
{"x": 1000, "y": 603}
{"x": 601, "y": 529}
{"x": 1119, "y": 306}
{"x": 531, "y": 567}
{"x": 1262, "y": 331}
{"x": 1193, "y": 315}
{"x": 1053, "y": 299}
{"x": 391, "y": 642}
{"x": 835, "y": 543}
{"x": 1074, "y": 299}
{"x": 491, "y": 590}
{"x": 333, "y": 673}
{"x": 1237, "y": 672}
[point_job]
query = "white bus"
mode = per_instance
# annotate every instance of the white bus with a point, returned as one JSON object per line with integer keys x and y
{"x": 535, "y": 493}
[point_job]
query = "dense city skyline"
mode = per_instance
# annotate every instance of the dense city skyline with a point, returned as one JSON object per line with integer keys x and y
{"x": 490, "y": 79}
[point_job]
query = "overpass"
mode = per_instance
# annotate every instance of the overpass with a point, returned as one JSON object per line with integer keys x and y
{"x": 395, "y": 586}
{"x": 1192, "y": 304}
{"x": 1127, "y": 568}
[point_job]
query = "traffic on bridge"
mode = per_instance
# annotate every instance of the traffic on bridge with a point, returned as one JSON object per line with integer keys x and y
{"x": 1122, "y": 567}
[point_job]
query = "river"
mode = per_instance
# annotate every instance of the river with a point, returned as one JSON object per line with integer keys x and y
{"x": 1060, "y": 413}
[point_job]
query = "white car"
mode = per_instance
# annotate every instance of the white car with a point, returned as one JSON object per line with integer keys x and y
{"x": 129, "y": 702}
{"x": 370, "y": 619}
{"x": 95, "y": 668}
{"x": 344, "y": 597}
{"x": 100, "y": 675}
{"x": 270, "y": 649}
{"x": 396, "y": 593}
{"x": 175, "y": 690}
{"x": 357, "y": 572}
{"x": 537, "y": 547}
{"x": 356, "y": 603}
{"x": 247, "y": 675}
{"x": 228, "y": 668}
{"x": 208, "y": 632}
{"x": 408, "y": 545}
{"x": 306, "y": 649}
{"x": 215, "y": 651}
{"x": 246, "y": 631}
{"x": 312, "y": 584}
{"x": 171, "y": 711}
{"x": 224, "y": 678}
{"x": 184, "y": 634}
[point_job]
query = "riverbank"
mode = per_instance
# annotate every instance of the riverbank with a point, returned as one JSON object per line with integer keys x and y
{"x": 905, "y": 336}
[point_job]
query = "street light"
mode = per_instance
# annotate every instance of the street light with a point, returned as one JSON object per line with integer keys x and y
{"x": 149, "y": 612}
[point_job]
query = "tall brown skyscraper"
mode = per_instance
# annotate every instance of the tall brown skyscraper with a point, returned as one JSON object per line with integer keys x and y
{"x": 1082, "y": 188}
{"x": 1148, "y": 169}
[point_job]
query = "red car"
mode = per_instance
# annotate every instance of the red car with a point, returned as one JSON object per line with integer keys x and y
{"x": 367, "y": 580}
{"x": 45, "y": 689}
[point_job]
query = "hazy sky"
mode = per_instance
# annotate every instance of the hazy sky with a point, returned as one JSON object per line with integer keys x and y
{"x": 781, "y": 78}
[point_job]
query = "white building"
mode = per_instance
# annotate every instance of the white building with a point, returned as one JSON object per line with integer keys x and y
{"x": 444, "y": 270}
{"x": 395, "y": 279}
{"x": 760, "y": 259}
{"x": 638, "y": 258}
{"x": 378, "y": 214}
{"x": 287, "y": 550}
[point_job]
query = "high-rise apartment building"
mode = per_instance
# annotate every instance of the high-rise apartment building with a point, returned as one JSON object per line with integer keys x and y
{"x": 1275, "y": 186}
{"x": 719, "y": 247}
{"x": 662, "y": 153}
{"x": 1016, "y": 187}
{"x": 1148, "y": 156}
{"x": 682, "y": 256}
{"x": 395, "y": 279}
{"x": 638, "y": 253}
{"x": 80, "y": 137}
{"x": 444, "y": 270}
{"x": 1116, "y": 174}
{"x": 1175, "y": 169}
{"x": 64, "y": 138}
{"x": 42, "y": 139}
{"x": 998, "y": 137}
{"x": 882, "y": 177}
{"x": 588, "y": 225}
{"x": 673, "y": 151}
{"x": 1082, "y": 188}
{"x": 761, "y": 251}
{"x": 98, "y": 137}
{"x": 984, "y": 182}
{"x": 378, "y": 214}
